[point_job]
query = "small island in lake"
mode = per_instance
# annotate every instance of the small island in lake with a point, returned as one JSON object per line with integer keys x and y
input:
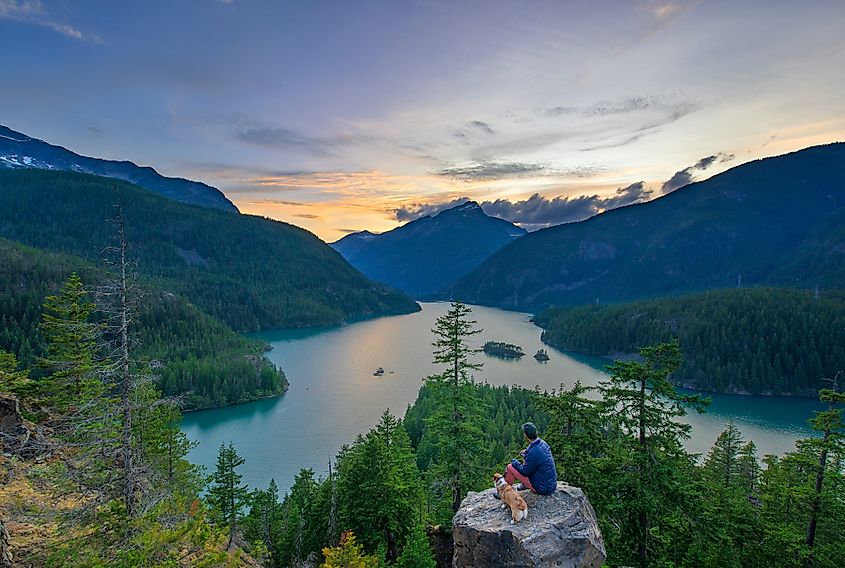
{"x": 541, "y": 355}
{"x": 504, "y": 350}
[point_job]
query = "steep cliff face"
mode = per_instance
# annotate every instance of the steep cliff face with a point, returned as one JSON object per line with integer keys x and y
{"x": 561, "y": 531}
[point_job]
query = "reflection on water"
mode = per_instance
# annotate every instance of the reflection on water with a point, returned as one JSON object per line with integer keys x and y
{"x": 334, "y": 396}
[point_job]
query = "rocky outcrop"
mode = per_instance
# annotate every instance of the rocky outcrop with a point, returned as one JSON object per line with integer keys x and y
{"x": 561, "y": 531}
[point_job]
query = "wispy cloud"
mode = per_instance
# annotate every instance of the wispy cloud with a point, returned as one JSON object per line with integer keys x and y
{"x": 35, "y": 13}
{"x": 293, "y": 140}
{"x": 486, "y": 171}
{"x": 687, "y": 175}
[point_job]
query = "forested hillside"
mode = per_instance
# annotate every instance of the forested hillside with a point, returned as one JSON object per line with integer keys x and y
{"x": 776, "y": 221}
{"x": 199, "y": 357}
{"x": 756, "y": 340}
{"x": 249, "y": 272}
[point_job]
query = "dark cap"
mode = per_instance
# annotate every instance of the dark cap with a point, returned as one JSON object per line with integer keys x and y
{"x": 530, "y": 430}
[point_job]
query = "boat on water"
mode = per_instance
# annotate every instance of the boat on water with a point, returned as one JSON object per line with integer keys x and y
{"x": 541, "y": 355}
{"x": 378, "y": 372}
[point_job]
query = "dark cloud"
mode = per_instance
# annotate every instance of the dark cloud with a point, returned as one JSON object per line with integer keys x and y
{"x": 687, "y": 175}
{"x": 634, "y": 193}
{"x": 473, "y": 129}
{"x": 419, "y": 210}
{"x": 537, "y": 212}
{"x": 494, "y": 170}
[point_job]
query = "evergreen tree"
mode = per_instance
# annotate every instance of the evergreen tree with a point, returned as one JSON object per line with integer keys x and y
{"x": 650, "y": 464}
{"x": 455, "y": 425}
{"x": 417, "y": 551}
{"x": 11, "y": 379}
{"x": 574, "y": 431}
{"x": 749, "y": 468}
{"x": 71, "y": 345}
{"x": 830, "y": 424}
{"x": 227, "y": 495}
{"x": 379, "y": 489}
{"x": 348, "y": 554}
{"x": 723, "y": 461}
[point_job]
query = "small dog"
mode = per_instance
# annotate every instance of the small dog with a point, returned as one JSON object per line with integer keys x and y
{"x": 510, "y": 498}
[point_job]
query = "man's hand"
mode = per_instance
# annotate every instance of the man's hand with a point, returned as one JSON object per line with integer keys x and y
{"x": 522, "y": 452}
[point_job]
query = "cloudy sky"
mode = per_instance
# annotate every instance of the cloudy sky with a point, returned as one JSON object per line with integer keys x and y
{"x": 350, "y": 115}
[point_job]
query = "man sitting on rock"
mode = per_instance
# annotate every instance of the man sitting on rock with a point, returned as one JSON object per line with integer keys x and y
{"x": 538, "y": 472}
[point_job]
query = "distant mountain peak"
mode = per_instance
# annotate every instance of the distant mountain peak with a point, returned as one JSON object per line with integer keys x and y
{"x": 426, "y": 254}
{"x": 467, "y": 206}
{"x": 19, "y": 151}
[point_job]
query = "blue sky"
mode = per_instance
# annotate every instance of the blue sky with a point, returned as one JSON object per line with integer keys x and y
{"x": 347, "y": 115}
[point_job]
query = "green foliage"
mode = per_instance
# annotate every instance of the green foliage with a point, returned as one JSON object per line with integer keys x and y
{"x": 194, "y": 355}
{"x": 379, "y": 491}
{"x": 71, "y": 346}
{"x": 575, "y": 431}
{"x": 647, "y": 465}
{"x": 417, "y": 552}
{"x": 455, "y": 424}
{"x": 348, "y": 554}
{"x": 12, "y": 379}
{"x": 777, "y": 221}
{"x": 506, "y": 409}
{"x": 169, "y": 534}
{"x": 227, "y": 495}
{"x": 248, "y": 272}
{"x": 759, "y": 341}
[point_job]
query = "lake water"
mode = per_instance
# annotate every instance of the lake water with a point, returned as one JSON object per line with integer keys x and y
{"x": 333, "y": 394}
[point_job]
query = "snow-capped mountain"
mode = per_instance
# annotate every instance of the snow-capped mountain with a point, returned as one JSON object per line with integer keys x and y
{"x": 18, "y": 150}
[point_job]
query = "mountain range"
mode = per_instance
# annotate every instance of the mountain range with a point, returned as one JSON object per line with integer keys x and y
{"x": 19, "y": 151}
{"x": 427, "y": 254}
{"x": 250, "y": 272}
{"x": 777, "y": 221}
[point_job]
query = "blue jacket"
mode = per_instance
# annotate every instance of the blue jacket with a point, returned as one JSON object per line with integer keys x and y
{"x": 539, "y": 467}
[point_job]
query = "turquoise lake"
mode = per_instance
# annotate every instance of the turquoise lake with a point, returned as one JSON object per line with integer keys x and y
{"x": 333, "y": 394}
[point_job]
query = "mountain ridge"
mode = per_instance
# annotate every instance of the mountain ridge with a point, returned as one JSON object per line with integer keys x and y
{"x": 425, "y": 254}
{"x": 250, "y": 272}
{"x": 20, "y": 151}
{"x": 746, "y": 225}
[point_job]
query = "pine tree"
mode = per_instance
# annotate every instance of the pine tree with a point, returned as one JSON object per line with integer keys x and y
{"x": 723, "y": 461}
{"x": 641, "y": 402}
{"x": 830, "y": 424}
{"x": 227, "y": 495}
{"x": 381, "y": 506}
{"x": 749, "y": 468}
{"x": 11, "y": 379}
{"x": 71, "y": 346}
{"x": 348, "y": 554}
{"x": 455, "y": 425}
{"x": 574, "y": 431}
{"x": 417, "y": 552}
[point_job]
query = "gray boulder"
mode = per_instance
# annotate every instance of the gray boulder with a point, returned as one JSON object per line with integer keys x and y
{"x": 561, "y": 530}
